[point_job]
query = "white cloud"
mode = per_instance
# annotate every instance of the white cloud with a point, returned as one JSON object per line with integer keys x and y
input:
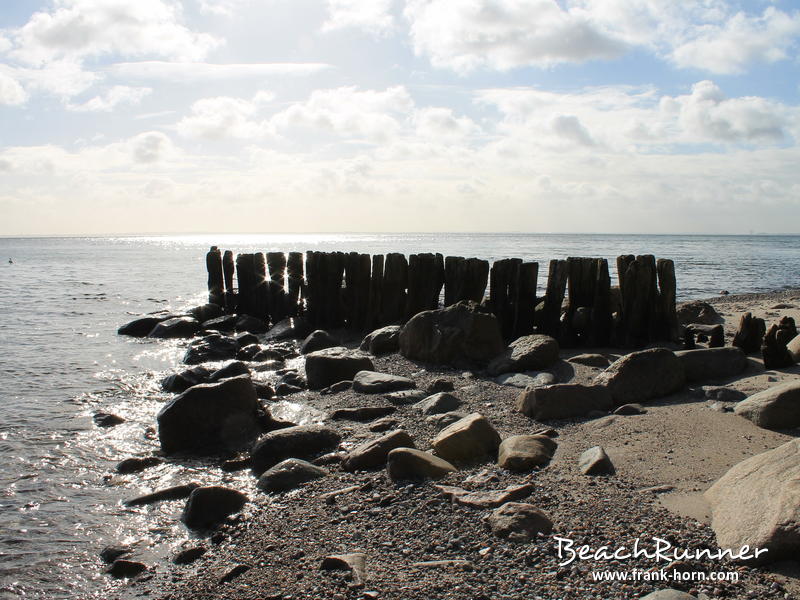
{"x": 505, "y": 34}
{"x": 372, "y": 16}
{"x": 191, "y": 72}
{"x": 11, "y": 92}
{"x": 119, "y": 94}
{"x": 437, "y": 123}
{"x": 64, "y": 78}
{"x": 222, "y": 8}
{"x": 76, "y": 29}
{"x": 219, "y": 118}
{"x": 151, "y": 147}
{"x": 570, "y": 128}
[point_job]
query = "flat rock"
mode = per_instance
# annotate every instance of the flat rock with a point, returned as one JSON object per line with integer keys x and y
{"x": 712, "y": 363}
{"x": 301, "y": 441}
{"x": 179, "y": 327}
{"x": 329, "y": 366}
{"x": 189, "y": 555}
{"x": 208, "y": 506}
{"x": 756, "y": 503}
{"x": 522, "y": 453}
{"x": 180, "y": 382}
{"x": 372, "y": 382}
{"x": 630, "y": 409}
{"x": 777, "y": 407}
{"x": 526, "y": 380}
{"x": 486, "y": 499}
{"x": 643, "y": 375}
{"x": 135, "y": 464}
{"x": 563, "y": 401}
{"x": 408, "y": 463}
{"x": 362, "y": 414}
{"x": 384, "y": 424}
{"x": 406, "y": 397}
{"x": 289, "y": 474}
{"x": 519, "y": 522}
{"x": 595, "y": 461}
{"x": 373, "y": 454}
{"x": 467, "y": 440}
{"x": 176, "y": 492}
{"x": 142, "y": 326}
{"x": 211, "y": 348}
{"x": 382, "y": 341}
{"x": 590, "y": 360}
{"x": 354, "y": 562}
{"x": 317, "y": 340}
{"x": 668, "y": 594}
{"x": 722, "y": 393}
{"x": 439, "y": 403}
{"x": 441, "y": 421}
{"x": 527, "y": 353}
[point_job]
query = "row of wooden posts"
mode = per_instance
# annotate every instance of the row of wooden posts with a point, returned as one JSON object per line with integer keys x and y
{"x": 362, "y": 292}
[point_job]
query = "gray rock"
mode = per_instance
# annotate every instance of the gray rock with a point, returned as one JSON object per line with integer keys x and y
{"x": 232, "y": 369}
{"x": 292, "y": 328}
{"x": 630, "y": 409}
{"x": 142, "y": 326}
{"x": 373, "y": 454}
{"x": 301, "y": 441}
{"x": 777, "y": 407}
{"x": 522, "y": 453}
{"x": 362, "y": 414}
{"x": 126, "y": 569}
{"x": 595, "y": 461}
{"x": 354, "y": 562}
{"x": 382, "y": 341}
{"x": 211, "y": 347}
{"x": 527, "y": 353}
{"x": 224, "y": 323}
{"x": 251, "y": 324}
{"x": 486, "y": 499}
{"x": 317, "y": 340}
{"x": 519, "y": 522}
{"x": 526, "y": 380}
{"x": 712, "y": 363}
{"x": 590, "y": 360}
{"x": 104, "y": 419}
{"x": 642, "y": 376}
{"x": 408, "y": 463}
{"x": 462, "y": 332}
{"x": 209, "y": 506}
{"x": 206, "y": 312}
{"x": 563, "y": 401}
{"x": 372, "y": 382}
{"x": 438, "y": 403}
{"x": 467, "y": 440}
{"x": 722, "y": 393}
{"x": 189, "y": 555}
{"x": 289, "y": 474}
{"x": 441, "y": 421}
{"x": 406, "y": 397}
{"x": 339, "y": 386}
{"x": 756, "y": 503}
{"x": 176, "y": 492}
{"x": 180, "y": 382}
{"x": 209, "y": 419}
{"x": 329, "y": 366}
{"x": 384, "y": 424}
{"x": 179, "y": 327}
{"x": 440, "y": 385}
{"x": 668, "y": 594}
{"x": 697, "y": 311}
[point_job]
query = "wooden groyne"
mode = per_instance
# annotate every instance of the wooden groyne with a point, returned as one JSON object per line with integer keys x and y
{"x": 362, "y": 292}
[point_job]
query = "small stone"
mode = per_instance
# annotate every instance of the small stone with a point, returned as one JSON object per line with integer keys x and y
{"x": 354, "y": 562}
{"x": 374, "y": 453}
{"x": 595, "y": 461}
{"x": 125, "y": 569}
{"x": 522, "y": 453}
{"x": 519, "y": 522}
{"x": 408, "y": 463}
{"x": 438, "y": 403}
{"x": 630, "y": 409}
{"x": 384, "y": 424}
{"x": 111, "y": 553}
{"x": 102, "y": 419}
{"x": 234, "y": 573}
{"x": 440, "y": 385}
{"x": 372, "y": 382}
{"x": 288, "y": 475}
{"x": 209, "y": 506}
{"x": 189, "y": 555}
{"x": 439, "y": 422}
{"x": 405, "y": 397}
{"x": 466, "y": 440}
{"x": 136, "y": 464}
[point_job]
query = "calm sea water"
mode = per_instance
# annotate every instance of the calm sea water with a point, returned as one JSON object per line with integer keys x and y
{"x": 62, "y": 300}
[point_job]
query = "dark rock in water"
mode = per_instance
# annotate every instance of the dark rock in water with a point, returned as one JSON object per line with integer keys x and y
{"x": 111, "y": 553}
{"x": 373, "y": 454}
{"x": 245, "y": 338}
{"x": 209, "y": 419}
{"x": 382, "y": 341}
{"x": 206, "y": 312}
{"x": 302, "y": 441}
{"x": 775, "y": 354}
{"x": 263, "y": 390}
{"x": 226, "y": 323}
{"x": 286, "y": 389}
{"x": 440, "y": 385}
{"x": 595, "y": 461}
{"x": 339, "y": 386}
{"x": 715, "y": 334}
{"x": 712, "y": 363}
{"x": 372, "y": 382}
{"x": 102, "y": 419}
{"x": 141, "y": 327}
{"x": 698, "y": 311}
{"x": 125, "y": 569}
{"x": 644, "y": 375}
{"x": 177, "y": 492}
{"x": 317, "y": 340}
{"x": 563, "y": 401}
{"x": 464, "y": 332}
{"x": 189, "y": 555}
{"x": 750, "y": 334}
{"x": 362, "y": 414}
{"x": 293, "y": 328}
{"x": 209, "y": 506}
{"x": 325, "y": 367}
{"x": 438, "y": 403}
{"x": 211, "y": 348}
{"x": 136, "y": 464}
{"x": 528, "y": 353}
{"x": 179, "y": 327}
{"x": 251, "y": 324}
{"x": 519, "y": 522}
{"x": 232, "y": 369}
{"x": 249, "y": 352}
{"x": 294, "y": 378}
{"x": 289, "y": 474}
{"x": 234, "y": 573}
{"x": 180, "y": 382}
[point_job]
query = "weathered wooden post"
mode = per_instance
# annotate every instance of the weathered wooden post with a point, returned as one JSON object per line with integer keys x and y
{"x": 374, "y": 317}
{"x": 333, "y": 273}
{"x": 216, "y": 284}
{"x": 477, "y": 278}
{"x": 246, "y": 280}
{"x": 526, "y": 299}
{"x": 465, "y": 279}
{"x": 393, "y": 293}
{"x": 550, "y": 320}
{"x": 638, "y": 290}
{"x": 602, "y": 326}
{"x": 356, "y": 291}
{"x": 277, "y": 293}
{"x": 425, "y": 280}
{"x": 261, "y": 306}
{"x": 667, "y": 292}
{"x": 453, "y": 274}
{"x": 227, "y": 272}
{"x": 313, "y": 288}
{"x": 503, "y": 293}
{"x": 294, "y": 270}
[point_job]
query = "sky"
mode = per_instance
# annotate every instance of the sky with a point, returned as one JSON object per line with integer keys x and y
{"x": 611, "y": 116}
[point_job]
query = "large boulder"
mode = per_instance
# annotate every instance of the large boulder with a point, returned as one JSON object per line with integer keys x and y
{"x": 211, "y": 348}
{"x": 757, "y": 503}
{"x": 331, "y": 365}
{"x": 563, "y": 401}
{"x": 775, "y": 408}
{"x": 210, "y": 419}
{"x": 519, "y": 522}
{"x": 409, "y": 463}
{"x": 373, "y": 454}
{"x": 301, "y": 441}
{"x": 461, "y": 333}
{"x": 289, "y": 474}
{"x": 142, "y": 326}
{"x": 179, "y": 327}
{"x": 528, "y": 353}
{"x": 712, "y": 363}
{"x": 382, "y": 341}
{"x": 372, "y": 382}
{"x": 642, "y": 376}
{"x": 524, "y": 452}
{"x": 467, "y": 440}
{"x": 206, "y": 312}
{"x": 317, "y": 340}
{"x": 209, "y": 506}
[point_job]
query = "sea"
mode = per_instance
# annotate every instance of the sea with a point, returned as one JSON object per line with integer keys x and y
{"x": 61, "y": 302}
